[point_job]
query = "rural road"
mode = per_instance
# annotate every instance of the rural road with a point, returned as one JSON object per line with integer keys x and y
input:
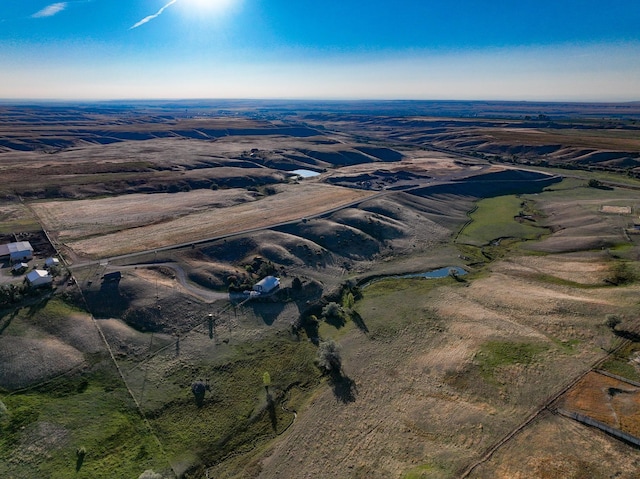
{"x": 207, "y": 295}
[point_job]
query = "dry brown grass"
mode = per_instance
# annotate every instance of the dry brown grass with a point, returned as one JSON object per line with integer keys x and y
{"x": 26, "y": 361}
{"x": 608, "y": 400}
{"x": 617, "y": 210}
{"x": 587, "y": 269}
{"x": 421, "y": 400}
{"x": 295, "y": 202}
{"x": 599, "y": 139}
{"x": 73, "y": 220}
{"x": 554, "y": 447}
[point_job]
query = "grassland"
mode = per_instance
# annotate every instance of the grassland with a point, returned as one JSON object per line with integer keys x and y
{"x": 296, "y": 202}
{"x": 499, "y": 218}
{"x": 85, "y": 405}
{"x": 15, "y": 217}
{"x": 434, "y": 372}
{"x": 463, "y": 363}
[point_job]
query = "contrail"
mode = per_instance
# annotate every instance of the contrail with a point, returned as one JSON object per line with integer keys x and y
{"x": 151, "y": 17}
{"x": 50, "y": 10}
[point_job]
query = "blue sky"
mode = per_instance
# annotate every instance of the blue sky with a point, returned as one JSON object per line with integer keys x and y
{"x": 581, "y": 50}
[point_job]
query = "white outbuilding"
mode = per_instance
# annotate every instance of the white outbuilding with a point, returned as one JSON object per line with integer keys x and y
{"x": 39, "y": 277}
{"x": 267, "y": 285}
{"x": 49, "y": 262}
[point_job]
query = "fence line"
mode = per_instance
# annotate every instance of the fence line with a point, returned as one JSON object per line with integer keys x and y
{"x": 617, "y": 433}
{"x": 619, "y": 378}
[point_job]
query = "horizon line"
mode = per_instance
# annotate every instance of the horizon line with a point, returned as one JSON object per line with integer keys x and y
{"x": 307, "y": 100}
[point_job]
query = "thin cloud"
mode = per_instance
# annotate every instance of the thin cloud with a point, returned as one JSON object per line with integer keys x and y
{"x": 151, "y": 17}
{"x": 50, "y": 10}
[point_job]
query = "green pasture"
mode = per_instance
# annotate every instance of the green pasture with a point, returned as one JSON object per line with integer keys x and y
{"x": 495, "y": 354}
{"x": 43, "y": 427}
{"x": 390, "y": 306}
{"x": 238, "y": 412}
{"x": 495, "y": 218}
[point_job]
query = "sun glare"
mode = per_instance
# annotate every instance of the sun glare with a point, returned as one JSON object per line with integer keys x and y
{"x": 199, "y": 7}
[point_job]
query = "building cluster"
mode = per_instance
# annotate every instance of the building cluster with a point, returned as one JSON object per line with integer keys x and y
{"x": 18, "y": 254}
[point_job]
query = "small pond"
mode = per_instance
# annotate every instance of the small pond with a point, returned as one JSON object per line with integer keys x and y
{"x": 304, "y": 173}
{"x": 433, "y": 274}
{"x": 436, "y": 273}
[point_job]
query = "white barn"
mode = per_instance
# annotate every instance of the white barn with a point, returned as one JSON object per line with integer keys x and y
{"x": 267, "y": 284}
{"x": 39, "y": 277}
{"x": 20, "y": 251}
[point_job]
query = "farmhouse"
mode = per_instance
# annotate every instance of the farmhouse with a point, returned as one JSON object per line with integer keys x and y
{"x": 20, "y": 251}
{"x": 39, "y": 277}
{"x": 266, "y": 285}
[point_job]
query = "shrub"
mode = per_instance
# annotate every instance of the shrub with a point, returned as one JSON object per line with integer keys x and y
{"x": 620, "y": 274}
{"x": 612, "y": 320}
{"x": 332, "y": 310}
{"x": 150, "y": 474}
{"x": 328, "y": 356}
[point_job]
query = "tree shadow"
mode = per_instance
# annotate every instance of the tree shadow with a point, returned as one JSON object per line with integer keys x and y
{"x": 337, "y": 321}
{"x": 630, "y": 335}
{"x": 267, "y": 311}
{"x": 5, "y": 321}
{"x": 359, "y": 322}
{"x": 344, "y": 388}
{"x": 310, "y": 327}
{"x": 271, "y": 409}
{"x": 80, "y": 455}
{"x": 37, "y": 306}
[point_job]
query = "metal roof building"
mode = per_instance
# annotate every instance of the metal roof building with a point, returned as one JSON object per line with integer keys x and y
{"x": 17, "y": 251}
{"x": 267, "y": 284}
{"x": 39, "y": 277}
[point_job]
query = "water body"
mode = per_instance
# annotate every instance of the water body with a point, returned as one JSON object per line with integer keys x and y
{"x": 304, "y": 173}
{"x": 436, "y": 273}
{"x": 433, "y": 274}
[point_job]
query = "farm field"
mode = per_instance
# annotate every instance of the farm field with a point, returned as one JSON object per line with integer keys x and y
{"x": 156, "y": 361}
{"x": 158, "y": 228}
{"x": 605, "y": 399}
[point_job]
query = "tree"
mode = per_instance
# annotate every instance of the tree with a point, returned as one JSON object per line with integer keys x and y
{"x": 349, "y": 300}
{"x": 332, "y": 310}
{"x": 199, "y": 388}
{"x": 328, "y": 357}
{"x": 612, "y": 320}
{"x": 296, "y": 284}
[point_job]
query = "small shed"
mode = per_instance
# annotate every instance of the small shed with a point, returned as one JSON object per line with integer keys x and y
{"x": 267, "y": 284}
{"x": 19, "y": 251}
{"x": 39, "y": 277}
{"x": 49, "y": 262}
{"x": 19, "y": 268}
